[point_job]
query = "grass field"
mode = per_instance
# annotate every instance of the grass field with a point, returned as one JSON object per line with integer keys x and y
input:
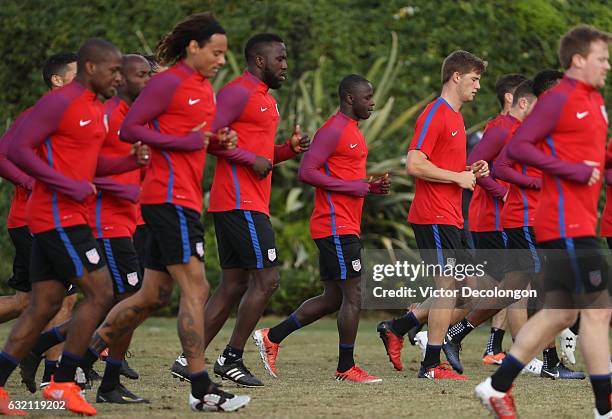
{"x": 306, "y": 389}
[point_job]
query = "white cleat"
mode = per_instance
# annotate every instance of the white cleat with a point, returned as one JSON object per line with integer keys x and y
{"x": 501, "y": 405}
{"x": 567, "y": 343}
{"x": 420, "y": 339}
{"x": 534, "y": 367}
{"x": 596, "y": 415}
{"x": 218, "y": 401}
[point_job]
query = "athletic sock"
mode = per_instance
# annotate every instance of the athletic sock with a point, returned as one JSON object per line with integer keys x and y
{"x": 601, "y": 390}
{"x": 505, "y": 375}
{"x": 200, "y": 383}
{"x": 576, "y": 327}
{"x": 90, "y": 358}
{"x": 432, "y": 356}
{"x": 284, "y": 329}
{"x": 345, "y": 359}
{"x": 494, "y": 345}
{"x": 460, "y": 330}
{"x": 110, "y": 380}
{"x": 67, "y": 367}
{"x": 402, "y": 325}
{"x": 50, "y": 368}
{"x": 551, "y": 359}
{"x": 7, "y": 366}
{"x": 47, "y": 340}
{"x": 232, "y": 354}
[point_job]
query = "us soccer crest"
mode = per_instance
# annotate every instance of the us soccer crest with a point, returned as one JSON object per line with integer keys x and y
{"x": 451, "y": 261}
{"x": 93, "y": 256}
{"x": 595, "y": 278}
{"x": 604, "y": 112}
{"x": 356, "y": 265}
{"x": 132, "y": 278}
{"x": 272, "y": 255}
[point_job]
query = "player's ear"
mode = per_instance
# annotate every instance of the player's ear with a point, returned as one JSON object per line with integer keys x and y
{"x": 578, "y": 61}
{"x": 456, "y": 76}
{"x": 57, "y": 81}
{"x": 260, "y": 62}
{"x": 90, "y": 68}
{"x": 508, "y": 97}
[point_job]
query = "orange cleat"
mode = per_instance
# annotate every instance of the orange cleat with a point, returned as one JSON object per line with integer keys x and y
{"x": 357, "y": 375}
{"x": 104, "y": 355}
{"x": 6, "y": 405}
{"x": 393, "y": 344}
{"x": 439, "y": 372}
{"x": 500, "y": 404}
{"x": 496, "y": 359}
{"x": 268, "y": 350}
{"x": 70, "y": 393}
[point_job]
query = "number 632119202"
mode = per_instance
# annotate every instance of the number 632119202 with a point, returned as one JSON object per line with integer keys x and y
{"x": 37, "y": 404}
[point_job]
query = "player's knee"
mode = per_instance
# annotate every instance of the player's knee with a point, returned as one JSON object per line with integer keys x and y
{"x": 23, "y": 300}
{"x": 565, "y": 318}
{"x": 271, "y": 283}
{"x": 594, "y": 316}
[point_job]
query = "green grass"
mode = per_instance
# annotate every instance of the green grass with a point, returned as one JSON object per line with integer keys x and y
{"x": 307, "y": 362}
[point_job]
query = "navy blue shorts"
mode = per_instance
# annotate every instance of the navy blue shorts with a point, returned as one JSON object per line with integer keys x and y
{"x": 339, "y": 257}
{"x": 123, "y": 264}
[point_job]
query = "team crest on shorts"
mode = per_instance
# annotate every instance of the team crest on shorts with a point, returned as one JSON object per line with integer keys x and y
{"x": 272, "y": 255}
{"x": 604, "y": 112}
{"x": 132, "y": 278}
{"x": 451, "y": 261}
{"x": 200, "y": 249}
{"x": 356, "y": 265}
{"x": 595, "y": 278}
{"x": 93, "y": 256}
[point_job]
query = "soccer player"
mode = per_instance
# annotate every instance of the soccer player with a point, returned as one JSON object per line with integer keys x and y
{"x": 67, "y": 129}
{"x": 336, "y": 166}
{"x": 240, "y": 200}
{"x": 487, "y": 202}
{"x": 565, "y": 138}
{"x": 437, "y": 158}
{"x": 178, "y": 103}
{"x": 58, "y": 70}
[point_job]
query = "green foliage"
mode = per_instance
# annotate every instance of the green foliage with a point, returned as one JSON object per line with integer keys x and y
{"x": 398, "y": 45}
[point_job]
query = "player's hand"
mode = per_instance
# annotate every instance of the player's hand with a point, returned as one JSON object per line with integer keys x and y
{"x": 228, "y": 138}
{"x": 380, "y": 185}
{"x": 299, "y": 143}
{"x": 142, "y": 153}
{"x": 479, "y": 168}
{"x": 207, "y": 134}
{"x": 595, "y": 174}
{"x": 262, "y": 166}
{"x": 466, "y": 180}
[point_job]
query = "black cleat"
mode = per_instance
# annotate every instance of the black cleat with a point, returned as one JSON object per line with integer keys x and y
{"x": 179, "y": 369}
{"x": 218, "y": 401}
{"x": 451, "y": 350}
{"x": 236, "y": 372}
{"x": 119, "y": 395}
{"x": 127, "y": 371}
{"x": 561, "y": 372}
{"x": 28, "y": 367}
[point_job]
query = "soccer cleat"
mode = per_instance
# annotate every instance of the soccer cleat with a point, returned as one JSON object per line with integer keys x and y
{"x": 218, "y": 401}
{"x": 493, "y": 359}
{"x": 501, "y": 405}
{"x": 128, "y": 371}
{"x": 596, "y": 414}
{"x": 268, "y": 350}
{"x": 567, "y": 343}
{"x": 6, "y": 408}
{"x": 413, "y": 332}
{"x": 84, "y": 378}
{"x": 27, "y": 369}
{"x": 179, "y": 369}
{"x": 357, "y": 375}
{"x": 119, "y": 395}
{"x": 439, "y": 372}
{"x": 421, "y": 341}
{"x": 70, "y": 394}
{"x": 562, "y": 372}
{"x": 534, "y": 367}
{"x": 236, "y": 372}
{"x": 451, "y": 350}
{"x": 393, "y": 343}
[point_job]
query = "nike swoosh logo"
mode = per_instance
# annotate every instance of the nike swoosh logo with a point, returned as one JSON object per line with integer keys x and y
{"x": 193, "y": 101}
{"x": 454, "y": 133}
{"x": 581, "y": 115}
{"x": 83, "y": 123}
{"x": 353, "y": 145}
{"x": 263, "y": 109}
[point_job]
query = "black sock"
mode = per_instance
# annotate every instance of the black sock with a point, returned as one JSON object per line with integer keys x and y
{"x": 345, "y": 359}
{"x": 284, "y": 329}
{"x": 47, "y": 340}
{"x": 7, "y": 366}
{"x": 200, "y": 383}
{"x": 402, "y": 325}
{"x": 90, "y": 358}
{"x": 50, "y": 368}
{"x": 432, "y": 356}
{"x": 576, "y": 327}
{"x": 494, "y": 345}
{"x": 232, "y": 354}
{"x": 67, "y": 367}
{"x": 551, "y": 359}
{"x": 110, "y": 380}
{"x": 503, "y": 378}
{"x": 601, "y": 390}
{"x": 460, "y": 330}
